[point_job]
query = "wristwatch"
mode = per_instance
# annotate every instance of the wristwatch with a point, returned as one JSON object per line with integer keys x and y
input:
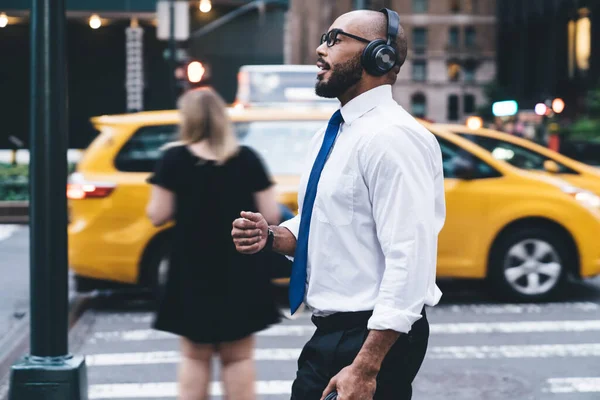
{"x": 270, "y": 239}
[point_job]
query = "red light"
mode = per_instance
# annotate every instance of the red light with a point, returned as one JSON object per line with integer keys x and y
{"x": 76, "y": 191}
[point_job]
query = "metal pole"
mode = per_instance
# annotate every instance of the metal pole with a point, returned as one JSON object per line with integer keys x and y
{"x": 48, "y": 174}
{"x": 49, "y": 372}
{"x": 172, "y": 50}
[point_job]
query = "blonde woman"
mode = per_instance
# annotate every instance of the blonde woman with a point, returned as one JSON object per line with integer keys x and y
{"x": 215, "y": 298}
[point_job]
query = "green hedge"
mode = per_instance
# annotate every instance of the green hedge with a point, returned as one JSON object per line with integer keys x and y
{"x": 14, "y": 182}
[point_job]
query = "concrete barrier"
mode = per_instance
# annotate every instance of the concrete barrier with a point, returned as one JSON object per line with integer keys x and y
{"x": 14, "y": 212}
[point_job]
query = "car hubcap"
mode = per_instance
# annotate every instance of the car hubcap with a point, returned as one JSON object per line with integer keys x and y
{"x": 532, "y": 267}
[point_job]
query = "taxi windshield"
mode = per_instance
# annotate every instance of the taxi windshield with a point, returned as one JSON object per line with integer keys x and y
{"x": 283, "y": 145}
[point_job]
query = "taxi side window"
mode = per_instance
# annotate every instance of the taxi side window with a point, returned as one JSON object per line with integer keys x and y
{"x": 143, "y": 149}
{"x": 514, "y": 154}
{"x": 451, "y": 152}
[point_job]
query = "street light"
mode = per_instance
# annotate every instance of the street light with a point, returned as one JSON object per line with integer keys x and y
{"x": 558, "y": 105}
{"x": 3, "y": 20}
{"x": 195, "y": 71}
{"x": 95, "y": 21}
{"x": 205, "y": 6}
{"x": 540, "y": 109}
{"x": 474, "y": 123}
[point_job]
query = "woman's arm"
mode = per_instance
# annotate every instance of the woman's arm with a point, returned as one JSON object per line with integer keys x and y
{"x": 267, "y": 205}
{"x": 161, "y": 207}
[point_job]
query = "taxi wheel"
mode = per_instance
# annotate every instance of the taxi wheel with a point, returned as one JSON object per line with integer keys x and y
{"x": 530, "y": 264}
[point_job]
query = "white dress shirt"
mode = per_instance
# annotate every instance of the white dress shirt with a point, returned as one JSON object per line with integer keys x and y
{"x": 378, "y": 211}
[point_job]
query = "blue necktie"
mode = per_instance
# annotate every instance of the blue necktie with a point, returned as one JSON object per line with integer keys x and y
{"x": 297, "y": 287}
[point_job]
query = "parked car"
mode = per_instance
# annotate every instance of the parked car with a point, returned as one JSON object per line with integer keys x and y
{"x": 528, "y": 155}
{"x": 523, "y": 231}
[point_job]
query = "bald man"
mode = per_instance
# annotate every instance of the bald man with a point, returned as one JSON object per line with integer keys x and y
{"x": 371, "y": 206}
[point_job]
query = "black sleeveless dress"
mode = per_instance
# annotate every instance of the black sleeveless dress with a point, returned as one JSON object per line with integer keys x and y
{"x": 213, "y": 293}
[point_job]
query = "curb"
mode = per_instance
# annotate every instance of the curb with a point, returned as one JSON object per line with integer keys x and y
{"x": 16, "y": 341}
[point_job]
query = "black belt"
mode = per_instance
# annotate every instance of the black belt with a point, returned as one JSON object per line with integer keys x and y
{"x": 345, "y": 320}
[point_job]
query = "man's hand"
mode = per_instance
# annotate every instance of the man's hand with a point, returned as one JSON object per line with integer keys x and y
{"x": 353, "y": 383}
{"x": 250, "y": 232}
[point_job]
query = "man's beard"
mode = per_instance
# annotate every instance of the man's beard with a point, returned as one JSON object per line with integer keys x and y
{"x": 342, "y": 78}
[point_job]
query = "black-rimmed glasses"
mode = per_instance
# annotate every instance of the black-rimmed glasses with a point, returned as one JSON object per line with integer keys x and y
{"x": 331, "y": 37}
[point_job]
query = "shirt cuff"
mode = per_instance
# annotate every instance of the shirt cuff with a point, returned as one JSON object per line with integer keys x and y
{"x": 389, "y": 318}
{"x": 293, "y": 225}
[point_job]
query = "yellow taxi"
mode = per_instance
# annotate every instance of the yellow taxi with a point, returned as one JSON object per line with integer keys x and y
{"x": 525, "y": 154}
{"x": 525, "y": 232}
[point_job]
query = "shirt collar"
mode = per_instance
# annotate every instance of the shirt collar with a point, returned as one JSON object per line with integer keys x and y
{"x": 365, "y": 102}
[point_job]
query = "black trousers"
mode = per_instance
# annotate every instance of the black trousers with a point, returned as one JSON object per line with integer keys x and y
{"x": 337, "y": 341}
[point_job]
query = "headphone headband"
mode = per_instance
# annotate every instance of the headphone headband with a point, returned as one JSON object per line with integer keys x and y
{"x": 393, "y": 25}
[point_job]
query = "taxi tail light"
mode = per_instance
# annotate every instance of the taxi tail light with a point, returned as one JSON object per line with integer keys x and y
{"x": 79, "y": 190}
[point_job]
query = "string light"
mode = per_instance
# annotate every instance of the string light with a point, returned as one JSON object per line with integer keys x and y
{"x": 205, "y": 6}
{"x": 95, "y": 22}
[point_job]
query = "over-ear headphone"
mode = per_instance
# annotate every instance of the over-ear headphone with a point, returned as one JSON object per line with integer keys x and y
{"x": 379, "y": 57}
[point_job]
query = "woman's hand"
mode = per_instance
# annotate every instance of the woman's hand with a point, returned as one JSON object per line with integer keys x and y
{"x": 250, "y": 232}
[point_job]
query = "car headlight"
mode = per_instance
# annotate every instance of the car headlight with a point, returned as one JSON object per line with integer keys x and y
{"x": 584, "y": 197}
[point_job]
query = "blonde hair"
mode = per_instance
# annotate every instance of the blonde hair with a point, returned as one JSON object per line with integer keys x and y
{"x": 204, "y": 117}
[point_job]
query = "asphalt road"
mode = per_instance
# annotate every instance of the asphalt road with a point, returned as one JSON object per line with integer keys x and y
{"x": 478, "y": 349}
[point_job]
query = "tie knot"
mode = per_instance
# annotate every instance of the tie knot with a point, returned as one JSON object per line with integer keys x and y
{"x": 336, "y": 119}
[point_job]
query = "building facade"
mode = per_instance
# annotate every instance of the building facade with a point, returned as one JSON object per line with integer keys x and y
{"x": 452, "y": 48}
{"x": 547, "y": 49}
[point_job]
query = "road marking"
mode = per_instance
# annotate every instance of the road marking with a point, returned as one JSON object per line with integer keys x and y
{"x": 573, "y": 385}
{"x": 523, "y": 308}
{"x": 173, "y": 357}
{"x": 523, "y": 351}
{"x": 169, "y": 389}
{"x": 440, "y": 352}
{"x": 516, "y": 327}
{"x": 136, "y": 335}
{"x": 6, "y": 231}
{"x": 148, "y": 318}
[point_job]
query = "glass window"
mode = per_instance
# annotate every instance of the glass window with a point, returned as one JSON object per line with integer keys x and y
{"x": 469, "y": 103}
{"x": 419, "y": 6}
{"x": 453, "y": 34}
{"x": 142, "y": 151}
{"x": 470, "y": 37}
{"x": 418, "y": 103}
{"x": 452, "y": 152}
{"x": 455, "y": 6}
{"x": 469, "y": 73}
{"x": 514, "y": 154}
{"x": 419, "y": 71}
{"x": 283, "y": 145}
{"x": 453, "y": 107}
{"x": 419, "y": 40}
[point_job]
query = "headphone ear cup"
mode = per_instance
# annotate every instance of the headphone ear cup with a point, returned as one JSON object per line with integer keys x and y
{"x": 369, "y": 54}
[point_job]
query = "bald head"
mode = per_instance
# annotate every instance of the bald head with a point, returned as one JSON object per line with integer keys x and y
{"x": 373, "y": 25}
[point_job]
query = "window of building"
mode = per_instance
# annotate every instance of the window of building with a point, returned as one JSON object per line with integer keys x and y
{"x": 469, "y": 103}
{"x": 419, "y": 70}
{"x": 418, "y": 104}
{"x": 453, "y": 34}
{"x": 470, "y": 37}
{"x": 419, "y": 40}
{"x": 472, "y": 6}
{"x": 453, "y": 71}
{"x": 469, "y": 73}
{"x": 419, "y": 6}
{"x": 455, "y": 6}
{"x": 453, "y": 107}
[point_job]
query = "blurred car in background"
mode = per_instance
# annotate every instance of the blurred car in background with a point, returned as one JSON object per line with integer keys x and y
{"x": 525, "y": 154}
{"x": 525, "y": 232}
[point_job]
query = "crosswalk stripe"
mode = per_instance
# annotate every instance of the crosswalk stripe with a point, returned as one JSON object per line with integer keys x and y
{"x": 171, "y": 357}
{"x": 479, "y": 309}
{"x": 6, "y": 231}
{"x": 434, "y": 352}
{"x": 573, "y": 385}
{"x": 169, "y": 389}
{"x": 522, "y": 351}
{"x": 437, "y": 329}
